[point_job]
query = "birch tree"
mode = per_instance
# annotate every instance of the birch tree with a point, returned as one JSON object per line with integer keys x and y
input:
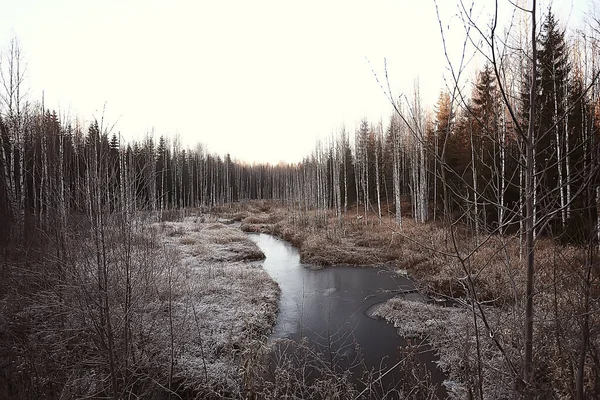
{"x": 13, "y": 109}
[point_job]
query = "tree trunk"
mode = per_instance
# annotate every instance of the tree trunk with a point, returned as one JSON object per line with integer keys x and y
{"x": 529, "y": 207}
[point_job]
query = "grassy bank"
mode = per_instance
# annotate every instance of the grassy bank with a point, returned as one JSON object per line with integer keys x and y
{"x": 136, "y": 309}
{"x": 225, "y": 302}
{"x": 439, "y": 261}
{"x": 479, "y": 342}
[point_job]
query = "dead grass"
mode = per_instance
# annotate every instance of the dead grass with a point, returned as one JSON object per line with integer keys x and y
{"x": 489, "y": 268}
{"x": 216, "y": 226}
{"x": 222, "y": 303}
{"x": 187, "y": 241}
{"x": 256, "y": 219}
{"x": 426, "y": 251}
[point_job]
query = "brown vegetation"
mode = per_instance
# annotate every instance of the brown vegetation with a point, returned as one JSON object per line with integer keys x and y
{"x": 430, "y": 255}
{"x": 183, "y": 300}
{"x": 426, "y": 251}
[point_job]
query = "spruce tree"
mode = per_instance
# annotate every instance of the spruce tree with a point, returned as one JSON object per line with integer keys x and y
{"x": 553, "y": 70}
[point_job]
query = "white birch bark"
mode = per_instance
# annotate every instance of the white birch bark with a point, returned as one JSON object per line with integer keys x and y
{"x": 397, "y": 172}
{"x": 377, "y": 143}
{"x": 559, "y": 163}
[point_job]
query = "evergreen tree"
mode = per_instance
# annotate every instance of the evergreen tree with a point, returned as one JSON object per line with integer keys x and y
{"x": 439, "y": 137}
{"x": 553, "y": 70}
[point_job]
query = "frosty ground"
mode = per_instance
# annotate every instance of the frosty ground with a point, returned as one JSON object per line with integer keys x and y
{"x": 223, "y": 300}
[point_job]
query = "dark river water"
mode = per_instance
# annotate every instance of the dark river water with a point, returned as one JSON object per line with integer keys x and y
{"x": 330, "y": 308}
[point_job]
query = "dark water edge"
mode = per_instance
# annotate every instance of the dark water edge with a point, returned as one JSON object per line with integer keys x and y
{"x": 331, "y": 307}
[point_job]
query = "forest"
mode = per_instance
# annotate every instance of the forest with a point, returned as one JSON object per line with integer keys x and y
{"x": 503, "y": 170}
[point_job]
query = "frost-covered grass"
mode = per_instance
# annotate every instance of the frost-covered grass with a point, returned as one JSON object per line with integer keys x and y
{"x": 451, "y": 332}
{"x": 210, "y": 241}
{"x": 222, "y": 302}
{"x": 166, "y": 308}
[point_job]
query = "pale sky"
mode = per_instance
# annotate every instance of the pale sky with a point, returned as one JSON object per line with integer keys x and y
{"x": 261, "y": 80}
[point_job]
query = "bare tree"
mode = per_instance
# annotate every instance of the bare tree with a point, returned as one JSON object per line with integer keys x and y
{"x": 13, "y": 109}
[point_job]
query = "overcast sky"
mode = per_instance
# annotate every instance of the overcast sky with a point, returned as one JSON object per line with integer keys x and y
{"x": 261, "y": 80}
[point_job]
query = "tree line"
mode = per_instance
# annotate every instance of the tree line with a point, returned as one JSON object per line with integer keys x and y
{"x": 460, "y": 159}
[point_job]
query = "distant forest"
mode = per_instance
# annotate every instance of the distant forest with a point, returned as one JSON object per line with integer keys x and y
{"x": 462, "y": 158}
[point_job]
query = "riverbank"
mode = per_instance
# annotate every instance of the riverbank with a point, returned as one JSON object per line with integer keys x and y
{"x": 451, "y": 332}
{"x": 479, "y": 342}
{"x": 439, "y": 261}
{"x": 424, "y": 251}
{"x": 225, "y": 303}
{"x": 134, "y": 308}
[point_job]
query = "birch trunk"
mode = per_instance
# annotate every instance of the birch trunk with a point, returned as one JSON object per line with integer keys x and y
{"x": 561, "y": 188}
{"x": 377, "y": 141}
{"x": 396, "y": 177}
{"x": 530, "y": 190}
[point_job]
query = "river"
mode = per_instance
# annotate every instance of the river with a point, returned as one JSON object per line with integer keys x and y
{"x": 330, "y": 308}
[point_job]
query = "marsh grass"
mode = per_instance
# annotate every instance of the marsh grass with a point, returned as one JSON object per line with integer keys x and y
{"x": 426, "y": 251}
{"x": 223, "y": 303}
{"x": 488, "y": 270}
{"x": 187, "y": 240}
{"x": 183, "y": 300}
